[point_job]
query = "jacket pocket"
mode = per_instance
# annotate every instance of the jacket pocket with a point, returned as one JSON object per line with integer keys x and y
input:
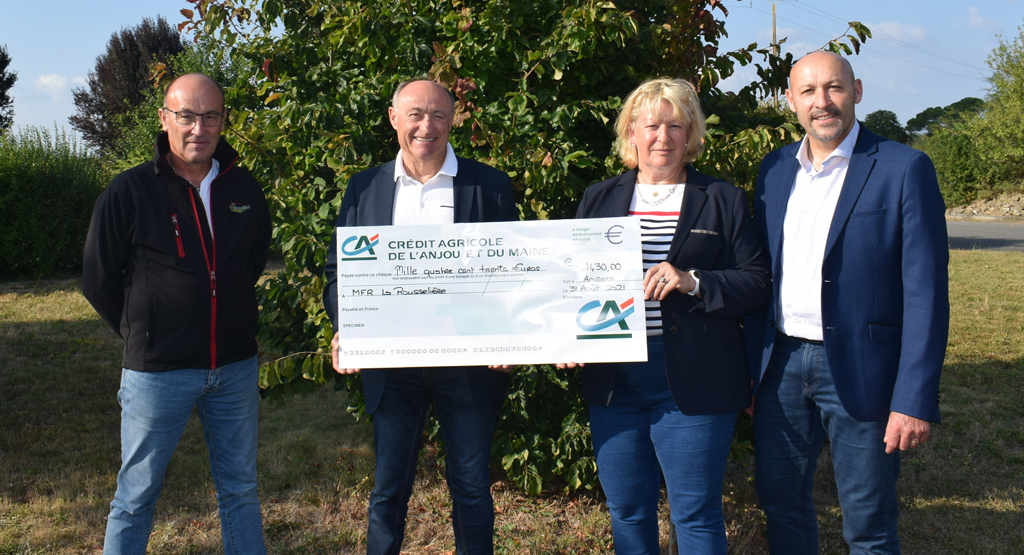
{"x": 885, "y": 333}
{"x": 868, "y": 213}
{"x": 177, "y": 236}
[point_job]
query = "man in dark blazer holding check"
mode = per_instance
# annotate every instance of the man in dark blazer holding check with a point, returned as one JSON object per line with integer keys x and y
{"x": 426, "y": 184}
{"x": 852, "y": 346}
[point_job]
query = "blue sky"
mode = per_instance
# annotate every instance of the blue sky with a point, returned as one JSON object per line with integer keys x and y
{"x": 924, "y": 53}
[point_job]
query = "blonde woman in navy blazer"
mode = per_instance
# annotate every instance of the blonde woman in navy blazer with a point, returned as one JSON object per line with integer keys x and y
{"x": 704, "y": 269}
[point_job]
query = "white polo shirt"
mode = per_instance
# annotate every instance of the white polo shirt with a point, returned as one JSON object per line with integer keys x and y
{"x": 432, "y": 202}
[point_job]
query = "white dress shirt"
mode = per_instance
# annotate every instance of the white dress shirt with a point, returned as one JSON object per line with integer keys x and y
{"x": 812, "y": 203}
{"x": 432, "y": 202}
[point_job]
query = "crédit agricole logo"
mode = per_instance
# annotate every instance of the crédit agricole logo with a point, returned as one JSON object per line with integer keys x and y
{"x": 360, "y": 247}
{"x": 600, "y": 318}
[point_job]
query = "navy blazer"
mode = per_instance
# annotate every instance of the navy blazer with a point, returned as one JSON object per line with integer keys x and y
{"x": 482, "y": 194}
{"x": 885, "y": 287}
{"x": 705, "y": 359}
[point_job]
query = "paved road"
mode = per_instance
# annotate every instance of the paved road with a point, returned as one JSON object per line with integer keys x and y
{"x": 989, "y": 235}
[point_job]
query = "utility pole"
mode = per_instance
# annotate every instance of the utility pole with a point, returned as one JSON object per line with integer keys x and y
{"x": 775, "y": 50}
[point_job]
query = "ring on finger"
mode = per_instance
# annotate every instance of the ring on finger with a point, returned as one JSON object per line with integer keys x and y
{"x": 662, "y": 280}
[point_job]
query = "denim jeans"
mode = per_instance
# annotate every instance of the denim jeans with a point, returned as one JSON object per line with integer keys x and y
{"x": 797, "y": 408}
{"x": 155, "y": 406}
{"x": 641, "y": 436}
{"x": 398, "y": 433}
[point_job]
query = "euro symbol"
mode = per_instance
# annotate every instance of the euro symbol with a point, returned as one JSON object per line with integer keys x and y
{"x": 613, "y": 234}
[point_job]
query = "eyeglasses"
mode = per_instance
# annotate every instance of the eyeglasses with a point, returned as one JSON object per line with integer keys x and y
{"x": 186, "y": 118}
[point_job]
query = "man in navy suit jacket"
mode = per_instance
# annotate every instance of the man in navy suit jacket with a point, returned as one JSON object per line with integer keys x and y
{"x": 426, "y": 184}
{"x": 851, "y": 347}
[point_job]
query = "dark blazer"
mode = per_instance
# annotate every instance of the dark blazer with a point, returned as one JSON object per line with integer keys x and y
{"x": 705, "y": 359}
{"x": 482, "y": 194}
{"x": 885, "y": 291}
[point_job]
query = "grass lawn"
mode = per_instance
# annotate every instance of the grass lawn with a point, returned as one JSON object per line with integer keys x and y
{"x": 59, "y": 450}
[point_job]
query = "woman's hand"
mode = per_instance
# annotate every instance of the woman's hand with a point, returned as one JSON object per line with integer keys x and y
{"x": 664, "y": 278}
{"x": 335, "y": 355}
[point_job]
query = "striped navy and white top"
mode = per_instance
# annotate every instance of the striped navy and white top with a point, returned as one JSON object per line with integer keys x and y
{"x": 658, "y": 218}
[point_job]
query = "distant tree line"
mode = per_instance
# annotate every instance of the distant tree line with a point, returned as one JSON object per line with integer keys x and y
{"x": 926, "y": 123}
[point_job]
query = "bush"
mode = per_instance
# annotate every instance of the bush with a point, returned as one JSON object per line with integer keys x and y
{"x": 48, "y": 185}
{"x": 963, "y": 175}
{"x": 998, "y": 130}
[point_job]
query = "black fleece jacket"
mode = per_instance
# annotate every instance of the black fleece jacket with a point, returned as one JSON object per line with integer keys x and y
{"x": 178, "y": 296}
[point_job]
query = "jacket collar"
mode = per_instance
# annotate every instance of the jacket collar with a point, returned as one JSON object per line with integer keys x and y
{"x": 694, "y": 199}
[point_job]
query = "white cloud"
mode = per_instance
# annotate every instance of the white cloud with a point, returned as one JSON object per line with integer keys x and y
{"x": 52, "y": 84}
{"x": 975, "y": 18}
{"x": 79, "y": 81}
{"x": 741, "y": 77}
{"x": 898, "y": 31}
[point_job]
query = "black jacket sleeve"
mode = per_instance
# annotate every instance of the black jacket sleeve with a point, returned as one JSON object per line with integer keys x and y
{"x": 105, "y": 256}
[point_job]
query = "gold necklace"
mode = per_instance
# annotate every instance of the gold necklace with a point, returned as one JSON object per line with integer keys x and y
{"x": 680, "y": 178}
{"x": 653, "y": 203}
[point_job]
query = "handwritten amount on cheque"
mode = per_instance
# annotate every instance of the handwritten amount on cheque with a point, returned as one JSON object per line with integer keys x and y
{"x": 403, "y": 272}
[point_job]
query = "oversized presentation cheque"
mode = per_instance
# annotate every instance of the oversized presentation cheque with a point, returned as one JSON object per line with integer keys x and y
{"x": 491, "y": 293}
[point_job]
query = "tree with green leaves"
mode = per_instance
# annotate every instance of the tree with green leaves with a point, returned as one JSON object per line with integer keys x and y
{"x": 925, "y": 119}
{"x": 137, "y": 128}
{"x": 887, "y": 124}
{"x": 121, "y": 78}
{"x": 965, "y": 107}
{"x": 537, "y": 85}
{"x": 7, "y": 80}
{"x": 998, "y": 131}
{"x": 931, "y": 119}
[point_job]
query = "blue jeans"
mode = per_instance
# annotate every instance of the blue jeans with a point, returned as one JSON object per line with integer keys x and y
{"x": 155, "y": 406}
{"x": 641, "y": 436}
{"x": 398, "y": 433}
{"x": 797, "y": 408}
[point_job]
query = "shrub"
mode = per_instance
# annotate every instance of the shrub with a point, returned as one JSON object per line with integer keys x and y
{"x": 48, "y": 185}
{"x": 963, "y": 175}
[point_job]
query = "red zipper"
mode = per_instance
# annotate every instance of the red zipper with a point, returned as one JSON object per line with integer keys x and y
{"x": 177, "y": 236}
{"x": 211, "y": 267}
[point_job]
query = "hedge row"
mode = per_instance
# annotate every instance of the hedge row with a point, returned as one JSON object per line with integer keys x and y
{"x": 48, "y": 185}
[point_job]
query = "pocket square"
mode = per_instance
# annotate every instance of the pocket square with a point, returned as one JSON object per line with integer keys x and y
{"x": 704, "y": 231}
